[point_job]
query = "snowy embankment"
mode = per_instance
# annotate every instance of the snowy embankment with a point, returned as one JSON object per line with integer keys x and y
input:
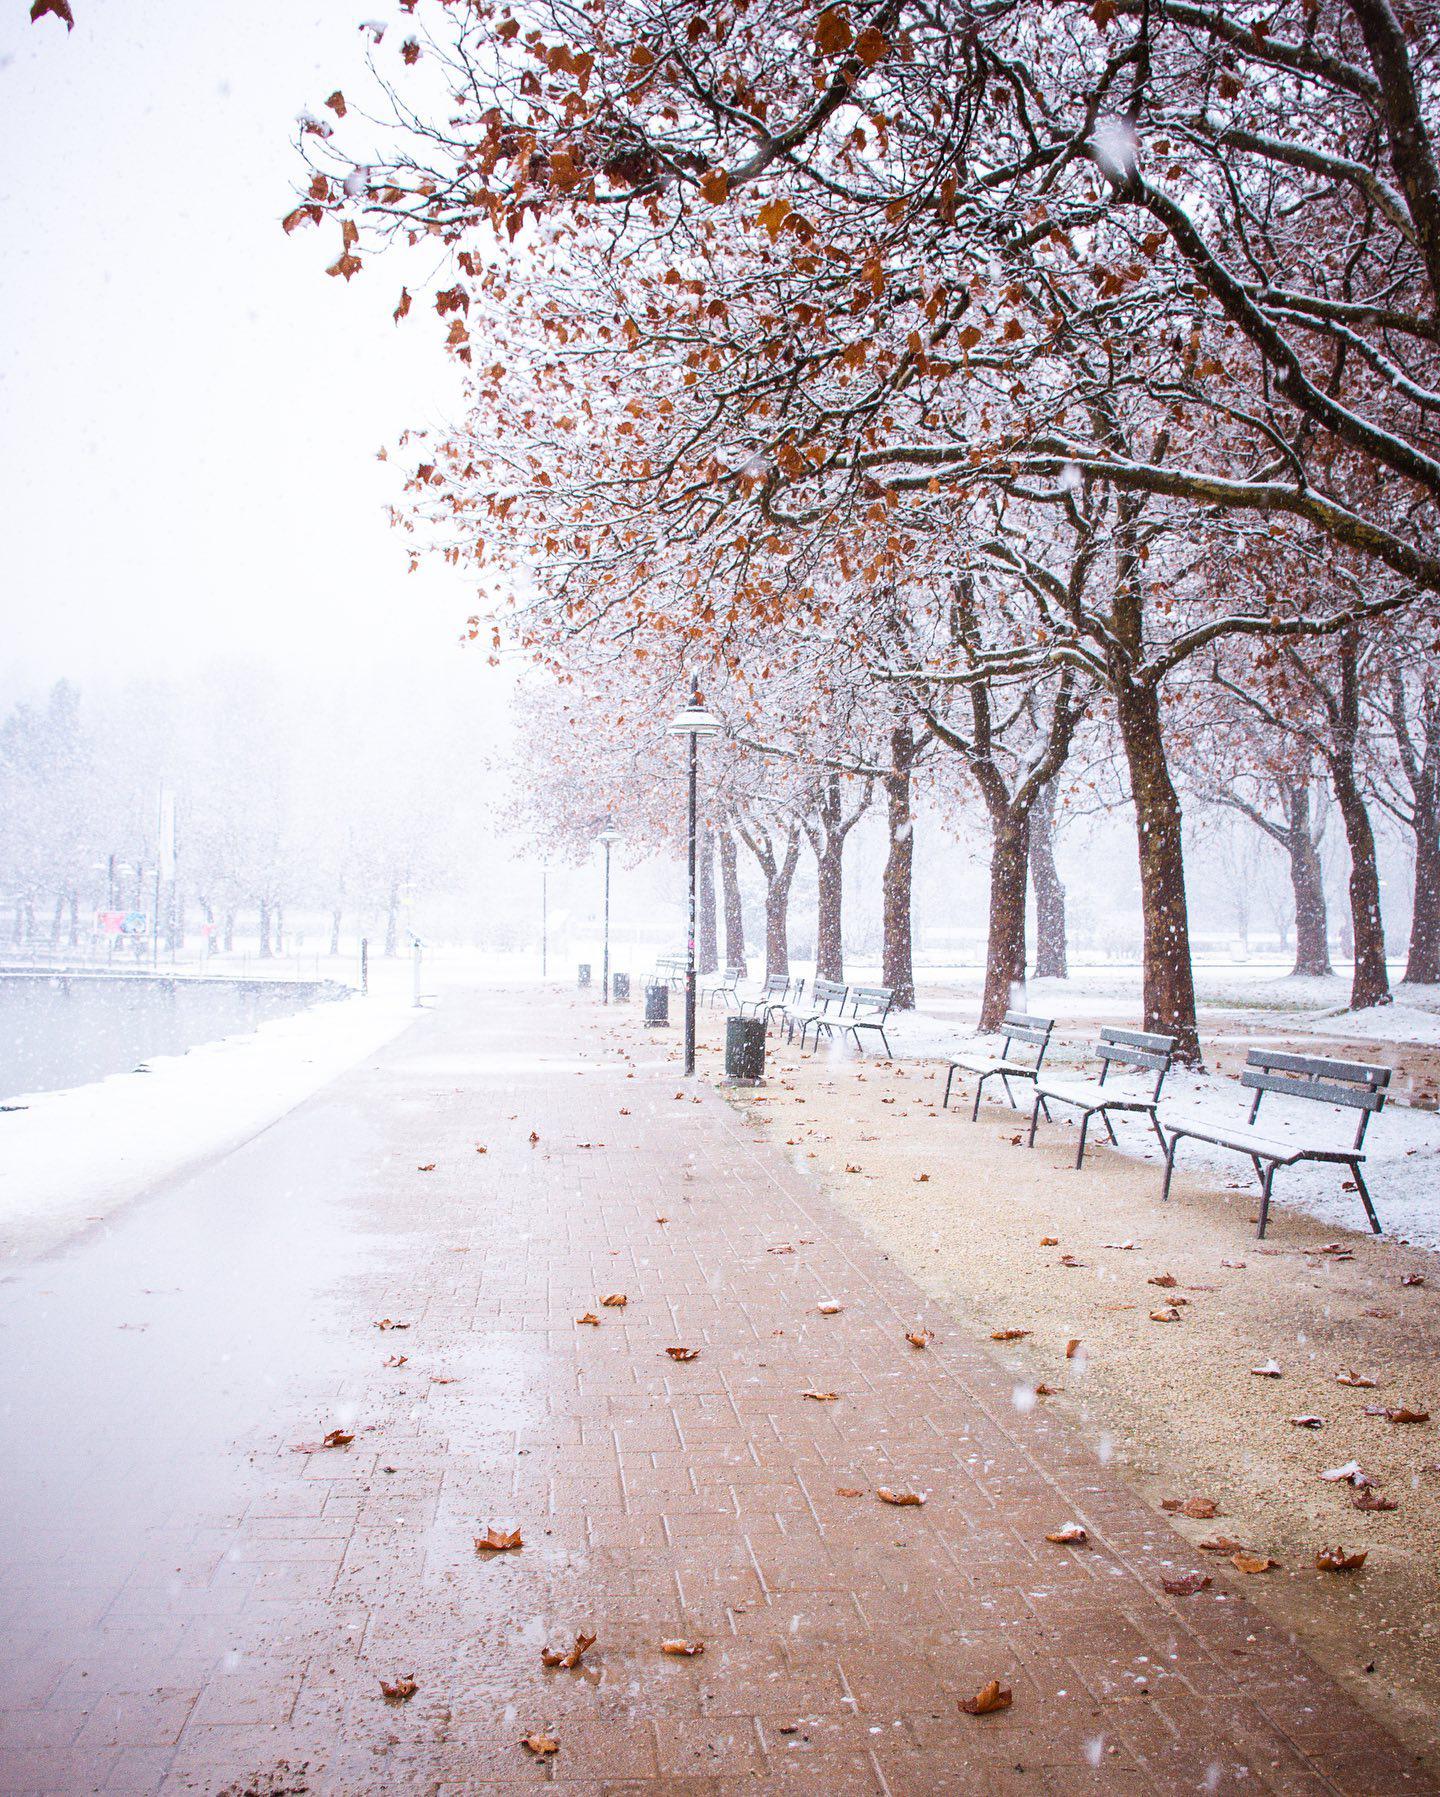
{"x": 72, "y": 1158}
{"x": 1402, "y": 1167}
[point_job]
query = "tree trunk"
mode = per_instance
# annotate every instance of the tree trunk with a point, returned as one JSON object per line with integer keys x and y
{"x": 1370, "y": 984}
{"x": 897, "y": 955}
{"x": 279, "y": 929}
{"x": 264, "y": 929}
{"x": 1005, "y": 946}
{"x": 1169, "y": 979}
{"x": 1422, "y": 967}
{"x": 57, "y": 922}
{"x": 829, "y": 900}
{"x": 777, "y": 926}
{"x": 392, "y": 920}
{"x": 335, "y": 931}
{"x": 229, "y": 932}
{"x": 1307, "y": 885}
{"x": 705, "y": 948}
{"x": 1051, "y": 958}
{"x": 733, "y": 908}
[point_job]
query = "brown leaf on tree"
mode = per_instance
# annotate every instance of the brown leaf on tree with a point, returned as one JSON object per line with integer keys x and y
{"x": 1365, "y": 1499}
{"x": 401, "y": 1689}
{"x": 833, "y": 35}
{"x": 987, "y": 1699}
{"x": 410, "y": 52}
{"x": 571, "y": 1657}
{"x": 497, "y": 1541}
{"x": 920, "y": 1338}
{"x": 1199, "y": 1509}
{"x": 60, "y": 8}
{"x": 680, "y": 1649}
{"x": 715, "y": 186}
{"x": 300, "y": 216}
{"x": 871, "y": 46}
{"x": 347, "y": 265}
{"x": 1346, "y": 1376}
{"x": 589, "y": 1317}
{"x": 336, "y": 103}
{"x": 772, "y": 216}
{"x": 1187, "y": 1584}
{"x": 1253, "y": 1563}
{"x": 1072, "y": 1535}
{"x": 400, "y": 312}
{"x": 540, "y": 1745}
{"x": 1335, "y": 1559}
{"x": 1008, "y": 1335}
{"x": 683, "y": 1353}
{"x": 887, "y": 1496}
{"x": 821, "y": 1397}
{"x": 614, "y": 1301}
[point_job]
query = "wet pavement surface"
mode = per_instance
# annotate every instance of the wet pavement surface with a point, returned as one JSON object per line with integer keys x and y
{"x": 196, "y": 1597}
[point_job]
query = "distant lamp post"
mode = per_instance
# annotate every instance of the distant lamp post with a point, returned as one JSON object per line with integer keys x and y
{"x": 609, "y": 836}
{"x": 694, "y": 721}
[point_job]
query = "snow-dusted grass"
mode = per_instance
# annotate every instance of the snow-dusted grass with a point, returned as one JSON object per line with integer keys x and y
{"x": 71, "y": 1158}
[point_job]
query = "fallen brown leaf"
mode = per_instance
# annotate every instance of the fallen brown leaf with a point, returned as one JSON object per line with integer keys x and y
{"x": 1308, "y": 1421}
{"x": 571, "y": 1657}
{"x": 683, "y": 1353}
{"x": 497, "y": 1541}
{"x": 397, "y": 1360}
{"x": 1187, "y": 1584}
{"x": 534, "y": 1137}
{"x": 1008, "y": 1335}
{"x": 1042, "y": 1390}
{"x": 1346, "y": 1376}
{"x": 821, "y": 1397}
{"x": 1072, "y": 1348}
{"x": 1348, "y": 1474}
{"x": 683, "y": 1649}
{"x": 1269, "y": 1369}
{"x": 1072, "y": 1535}
{"x": 1049, "y": 1241}
{"x": 390, "y": 1323}
{"x": 1200, "y": 1509}
{"x": 1069, "y": 1260}
{"x": 1365, "y": 1499}
{"x": 540, "y": 1745}
{"x": 614, "y": 1301}
{"x": 849, "y": 1491}
{"x": 429, "y": 1167}
{"x": 851, "y": 1169}
{"x": 1168, "y": 1315}
{"x": 886, "y": 1496}
{"x": 1166, "y": 1279}
{"x": 1221, "y": 1544}
{"x": 1397, "y": 1413}
{"x": 829, "y": 1308}
{"x": 589, "y": 1317}
{"x": 1335, "y": 1559}
{"x": 1412, "y": 1279}
{"x": 987, "y": 1699}
{"x": 920, "y": 1338}
{"x": 338, "y": 1438}
{"x": 1253, "y": 1562}
{"x": 401, "y": 1690}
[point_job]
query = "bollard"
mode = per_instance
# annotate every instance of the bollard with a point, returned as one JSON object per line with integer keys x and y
{"x": 584, "y": 979}
{"x": 657, "y": 1006}
{"x": 620, "y": 988}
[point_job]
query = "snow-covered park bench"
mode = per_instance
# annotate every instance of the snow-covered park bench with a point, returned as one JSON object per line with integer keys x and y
{"x": 1338, "y": 1085}
{"x": 869, "y": 1008}
{"x": 1137, "y": 1049}
{"x": 670, "y": 970}
{"x": 826, "y": 996}
{"x": 769, "y": 1003}
{"x": 725, "y": 990}
{"x": 1030, "y": 1033}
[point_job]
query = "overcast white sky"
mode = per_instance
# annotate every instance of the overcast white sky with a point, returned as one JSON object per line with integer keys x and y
{"x": 189, "y": 408}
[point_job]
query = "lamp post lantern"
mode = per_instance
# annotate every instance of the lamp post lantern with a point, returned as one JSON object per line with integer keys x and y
{"x": 609, "y": 835}
{"x": 692, "y": 721}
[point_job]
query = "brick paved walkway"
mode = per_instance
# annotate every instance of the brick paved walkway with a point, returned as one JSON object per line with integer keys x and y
{"x": 192, "y": 1605}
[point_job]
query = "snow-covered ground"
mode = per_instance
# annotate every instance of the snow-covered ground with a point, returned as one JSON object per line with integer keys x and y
{"x": 71, "y": 1158}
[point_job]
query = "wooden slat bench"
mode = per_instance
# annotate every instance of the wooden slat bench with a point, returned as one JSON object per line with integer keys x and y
{"x": 1093, "y": 1098}
{"x": 1342, "y": 1085}
{"x": 825, "y": 996}
{"x": 869, "y": 1008}
{"x": 1031, "y": 1032}
{"x": 770, "y": 998}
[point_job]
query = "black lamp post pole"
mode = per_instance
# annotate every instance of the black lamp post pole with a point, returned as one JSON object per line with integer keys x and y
{"x": 690, "y": 945}
{"x": 605, "y": 957}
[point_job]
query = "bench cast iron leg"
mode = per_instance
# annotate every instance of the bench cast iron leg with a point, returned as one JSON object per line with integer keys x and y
{"x": 1110, "y": 1129}
{"x": 1004, "y": 1081}
{"x": 1363, "y": 1190}
{"x": 949, "y": 1081}
{"x": 979, "y": 1088}
{"x": 1169, "y": 1167}
{"x": 1265, "y": 1201}
{"x": 1034, "y": 1119}
{"x": 1080, "y": 1151}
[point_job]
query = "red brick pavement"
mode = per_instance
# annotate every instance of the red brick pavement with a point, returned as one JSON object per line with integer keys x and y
{"x": 232, "y": 1634}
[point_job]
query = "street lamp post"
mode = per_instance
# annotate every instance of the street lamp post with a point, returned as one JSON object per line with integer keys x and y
{"x": 693, "y": 721}
{"x": 608, "y": 836}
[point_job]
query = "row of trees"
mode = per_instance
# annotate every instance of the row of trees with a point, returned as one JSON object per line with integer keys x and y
{"x": 342, "y": 802}
{"x": 1045, "y": 387}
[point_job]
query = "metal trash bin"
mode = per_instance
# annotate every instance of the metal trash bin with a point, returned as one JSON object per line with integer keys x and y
{"x": 745, "y": 1050}
{"x": 657, "y": 1006}
{"x": 584, "y": 978}
{"x": 620, "y": 988}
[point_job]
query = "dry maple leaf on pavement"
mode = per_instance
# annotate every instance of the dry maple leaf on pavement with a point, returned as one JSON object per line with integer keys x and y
{"x": 987, "y": 1699}
{"x": 1365, "y": 1499}
{"x": 1187, "y": 1584}
{"x": 1397, "y": 1413}
{"x": 390, "y": 1323}
{"x": 589, "y": 1317}
{"x": 497, "y": 1541}
{"x": 572, "y": 1656}
{"x": 683, "y": 1353}
{"x": 681, "y": 1649}
{"x": 1072, "y": 1348}
{"x": 1008, "y": 1335}
{"x": 614, "y": 1301}
{"x": 920, "y": 1338}
{"x": 540, "y": 1745}
{"x": 1309, "y": 1420}
{"x": 887, "y": 1496}
{"x": 401, "y": 1690}
{"x": 1253, "y": 1562}
{"x": 1268, "y": 1369}
{"x": 1072, "y": 1535}
{"x": 428, "y": 1167}
{"x": 820, "y": 1397}
{"x": 1221, "y": 1544}
{"x": 1348, "y": 1377}
{"x": 338, "y": 1438}
{"x": 1335, "y": 1559}
{"x": 1049, "y": 1241}
{"x": 1168, "y": 1280}
{"x": 1168, "y": 1315}
{"x": 397, "y": 1360}
{"x": 1201, "y": 1509}
{"x": 829, "y": 1308}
